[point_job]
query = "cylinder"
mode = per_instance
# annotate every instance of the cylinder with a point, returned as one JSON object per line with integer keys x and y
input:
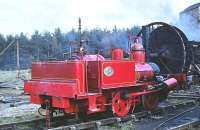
{"x": 117, "y": 54}
{"x": 171, "y": 83}
{"x": 146, "y": 71}
{"x": 138, "y": 53}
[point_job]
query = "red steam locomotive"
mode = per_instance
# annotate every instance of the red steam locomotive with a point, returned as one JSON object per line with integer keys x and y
{"x": 90, "y": 83}
{"x": 94, "y": 84}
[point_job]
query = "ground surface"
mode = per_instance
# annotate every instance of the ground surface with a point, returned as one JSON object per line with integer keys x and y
{"x": 11, "y": 93}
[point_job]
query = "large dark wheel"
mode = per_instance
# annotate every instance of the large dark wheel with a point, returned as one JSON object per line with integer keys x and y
{"x": 166, "y": 45}
{"x": 167, "y": 50}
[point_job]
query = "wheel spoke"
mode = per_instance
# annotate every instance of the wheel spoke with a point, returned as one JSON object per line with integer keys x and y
{"x": 121, "y": 107}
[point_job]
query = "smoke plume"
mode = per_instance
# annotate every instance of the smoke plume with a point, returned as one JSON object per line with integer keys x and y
{"x": 189, "y": 23}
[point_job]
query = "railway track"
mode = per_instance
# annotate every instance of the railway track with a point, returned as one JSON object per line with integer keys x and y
{"x": 91, "y": 123}
{"x": 17, "y": 125}
{"x": 186, "y": 120}
{"x": 184, "y": 96}
{"x": 116, "y": 120}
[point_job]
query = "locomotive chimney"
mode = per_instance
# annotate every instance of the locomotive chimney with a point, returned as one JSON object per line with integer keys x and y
{"x": 138, "y": 52}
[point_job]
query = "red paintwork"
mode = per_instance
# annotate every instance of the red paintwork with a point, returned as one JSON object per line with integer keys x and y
{"x": 119, "y": 76}
{"x": 60, "y": 102}
{"x": 138, "y": 53}
{"x": 123, "y": 74}
{"x": 120, "y": 106}
{"x": 90, "y": 82}
{"x": 144, "y": 72}
{"x": 60, "y": 72}
{"x": 61, "y": 80}
{"x": 117, "y": 54}
{"x": 72, "y": 108}
{"x": 36, "y": 99}
{"x": 67, "y": 89}
{"x": 96, "y": 103}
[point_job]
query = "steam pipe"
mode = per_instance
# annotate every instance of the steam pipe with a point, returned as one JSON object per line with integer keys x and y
{"x": 169, "y": 84}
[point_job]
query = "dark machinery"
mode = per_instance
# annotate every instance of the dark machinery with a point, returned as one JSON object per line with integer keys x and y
{"x": 167, "y": 46}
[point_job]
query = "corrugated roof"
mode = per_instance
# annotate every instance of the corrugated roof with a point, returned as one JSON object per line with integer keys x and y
{"x": 191, "y": 7}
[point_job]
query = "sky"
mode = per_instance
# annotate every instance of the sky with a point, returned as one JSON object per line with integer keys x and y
{"x": 45, "y": 15}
